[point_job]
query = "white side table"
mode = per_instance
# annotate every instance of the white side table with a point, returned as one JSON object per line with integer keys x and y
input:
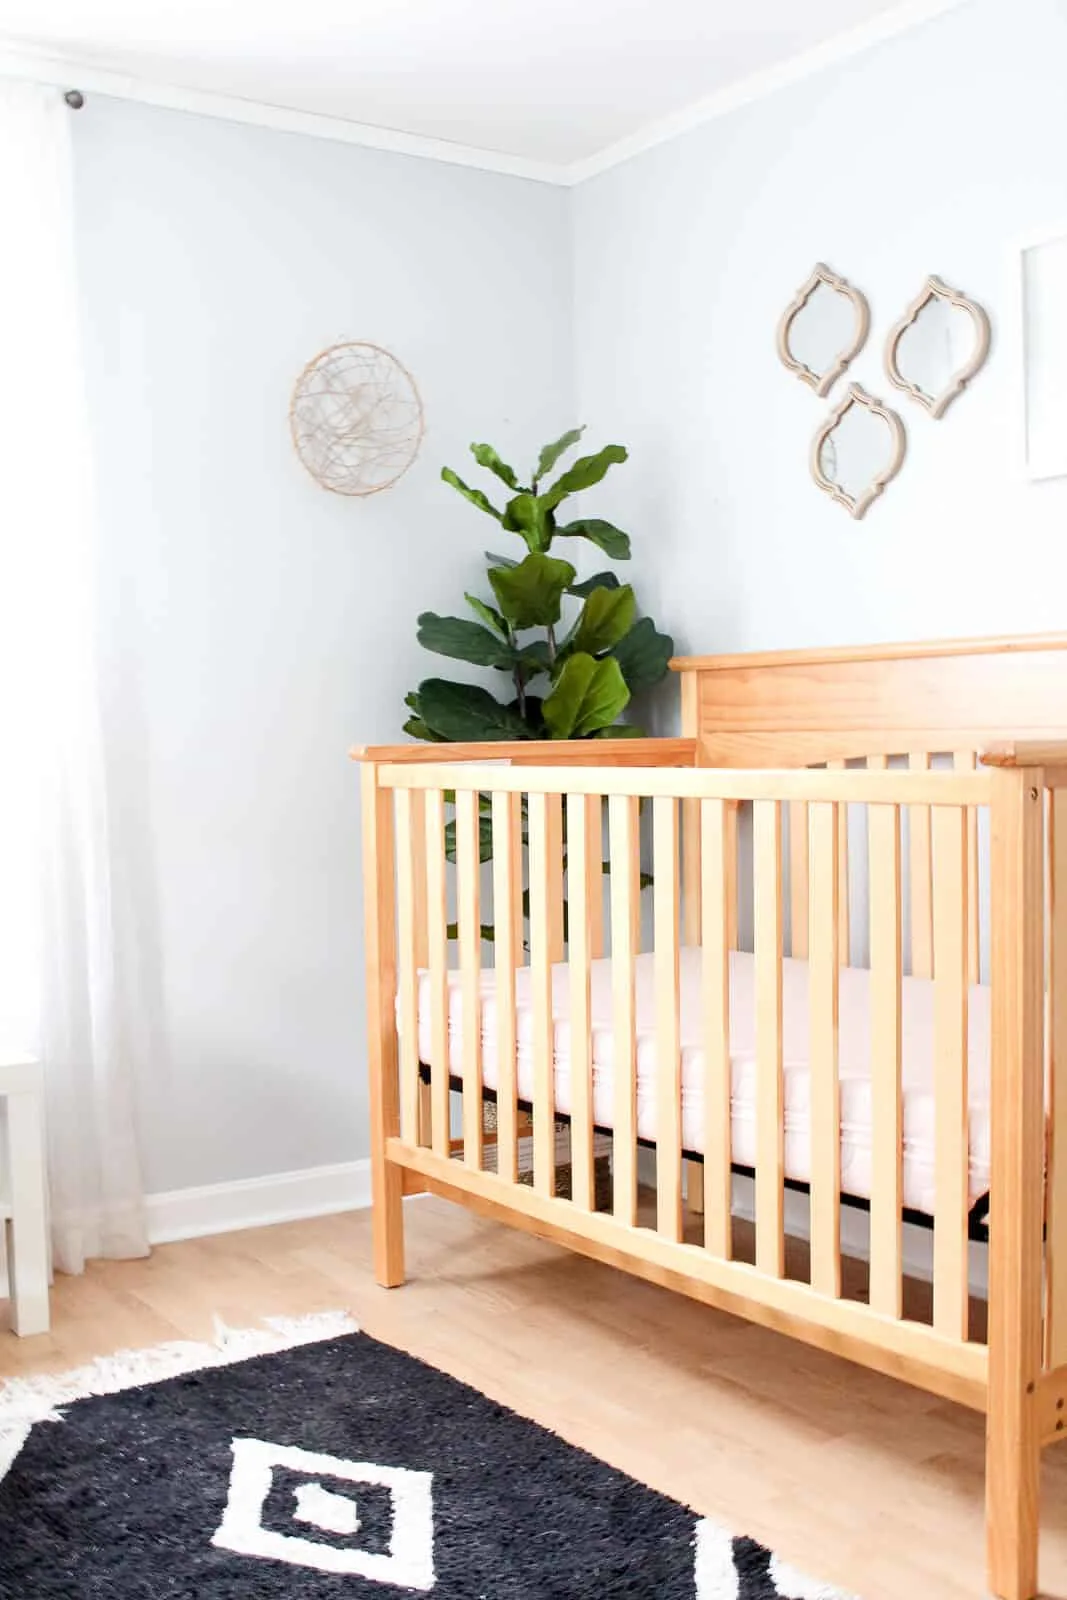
{"x": 26, "y": 1214}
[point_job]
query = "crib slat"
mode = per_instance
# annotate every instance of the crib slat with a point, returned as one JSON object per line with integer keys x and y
{"x": 594, "y": 873}
{"x": 691, "y": 829}
{"x": 967, "y": 761}
{"x": 518, "y": 862}
{"x": 418, "y": 874}
{"x": 951, "y": 1302}
{"x": 554, "y": 813}
{"x": 544, "y": 1153}
{"x": 635, "y": 873}
{"x": 844, "y": 927}
{"x": 715, "y": 989}
{"x": 733, "y": 810}
{"x": 921, "y": 878}
{"x": 437, "y": 946}
{"x": 407, "y": 959}
{"x": 579, "y": 808}
{"x": 507, "y": 821}
{"x": 887, "y": 1132}
{"x": 798, "y": 879}
{"x": 825, "y": 1118}
{"x": 622, "y": 833}
{"x": 468, "y": 911}
{"x": 844, "y": 903}
{"x": 1056, "y": 1318}
{"x": 770, "y": 1141}
{"x": 421, "y": 946}
{"x": 668, "y": 1041}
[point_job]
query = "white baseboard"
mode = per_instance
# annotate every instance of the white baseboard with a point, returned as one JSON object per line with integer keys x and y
{"x": 321, "y": 1191}
{"x": 257, "y": 1202}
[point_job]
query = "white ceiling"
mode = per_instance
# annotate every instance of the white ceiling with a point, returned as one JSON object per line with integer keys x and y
{"x": 553, "y": 81}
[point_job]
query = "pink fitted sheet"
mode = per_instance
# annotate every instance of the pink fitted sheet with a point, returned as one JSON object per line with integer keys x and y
{"x": 854, "y": 1063}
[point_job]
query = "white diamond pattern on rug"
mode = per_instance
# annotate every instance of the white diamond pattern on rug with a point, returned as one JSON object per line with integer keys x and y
{"x": 715, "y": 1571}
{"x": 333, "y": 1513}
{"x": 164, "y": 1458}
{"x": 408, "y": 1564}
{"x": 717, "y": 1575}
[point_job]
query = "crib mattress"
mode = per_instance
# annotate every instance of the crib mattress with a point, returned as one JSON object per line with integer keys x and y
{"x": 854, "y": 1063}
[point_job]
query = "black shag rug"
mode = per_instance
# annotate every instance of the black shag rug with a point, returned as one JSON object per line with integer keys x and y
{"x": 339, "y": 1469}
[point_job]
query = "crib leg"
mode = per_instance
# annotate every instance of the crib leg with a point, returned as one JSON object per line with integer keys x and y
{"x": 387, "y": 1185}
{"x": 387, "y": 1179}
{"x": 1013, "y": 1444}
{"x": 1013, "y": 1467}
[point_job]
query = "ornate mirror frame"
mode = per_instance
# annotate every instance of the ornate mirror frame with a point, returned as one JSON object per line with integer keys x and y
{"x": 823, "y": 382}
{"x": 935, "y": 289}
{"x": 857, "y": 505}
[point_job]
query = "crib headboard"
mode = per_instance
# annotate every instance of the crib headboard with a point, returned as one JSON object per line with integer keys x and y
{"x": 802, "y": 707}
{"x": 958, "y": 698}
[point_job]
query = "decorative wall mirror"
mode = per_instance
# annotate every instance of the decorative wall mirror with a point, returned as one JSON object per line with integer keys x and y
{"x": 938, "y": 345}
{"x": 822, "y": 329}
{"x": 858, "y": 449}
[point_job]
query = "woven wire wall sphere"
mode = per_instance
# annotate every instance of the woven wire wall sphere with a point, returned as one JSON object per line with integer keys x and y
{"x": 356, "y": 418}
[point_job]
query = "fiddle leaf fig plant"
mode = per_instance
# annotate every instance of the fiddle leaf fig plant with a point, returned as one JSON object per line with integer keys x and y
{"x": 572, "y": 653}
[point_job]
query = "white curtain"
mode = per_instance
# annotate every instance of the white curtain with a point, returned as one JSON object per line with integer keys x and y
{"x": 59, "y": 987}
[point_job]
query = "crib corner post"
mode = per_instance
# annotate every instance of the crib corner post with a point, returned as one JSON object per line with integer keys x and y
{"x": 1013, "y": 1444}
{"x": 379, "y": 898}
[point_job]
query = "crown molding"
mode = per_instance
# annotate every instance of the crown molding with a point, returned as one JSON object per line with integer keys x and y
{"x": 71, "y": 72}
{"x": 901, "y": 19}
{"x": 68, "y": 72}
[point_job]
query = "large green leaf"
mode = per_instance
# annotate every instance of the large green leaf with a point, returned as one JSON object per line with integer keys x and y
{"x": 588, "y": 695}
{"x": 607, "y": 616}
{"x": 488, "y": 928}
{"x": 610, "y": 539}
{"x": 486, "y": 456}
{"x": 462, "y": 711}
{"x": 528, "y": 515}
{"x": 415, "y": 725}
{"x": 643, "y": 655}
{"x": 475, "y": 496}
{"x": 586, "y": 471}
{"x": 485, "y": 840}
{"x": 417, "y": 729}
{"x": 464, "y": 641}
{"x": 552, "y": 452}
{"x": 599, "y": 580}
{"x": 529, "y": 595}
{"x": 489, "y": 616}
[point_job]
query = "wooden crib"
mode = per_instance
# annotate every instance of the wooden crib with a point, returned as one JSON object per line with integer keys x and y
{"x": 902, "y": 817}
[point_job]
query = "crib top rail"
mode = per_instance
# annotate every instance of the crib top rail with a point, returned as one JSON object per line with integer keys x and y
{"x": 541, "y": 752}
{"x": 1050, "y": 754}
{"x": 840, "y": 785}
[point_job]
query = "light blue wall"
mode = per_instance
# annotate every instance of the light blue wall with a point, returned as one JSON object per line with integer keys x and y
{"x": 933, "y": 152}
{"x": 255, "y": 626}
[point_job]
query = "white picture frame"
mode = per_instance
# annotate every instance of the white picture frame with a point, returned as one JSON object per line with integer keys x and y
{"x": 1040, "y": 271}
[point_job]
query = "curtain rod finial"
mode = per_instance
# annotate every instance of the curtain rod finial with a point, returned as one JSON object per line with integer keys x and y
{"x": 75, "y": 99}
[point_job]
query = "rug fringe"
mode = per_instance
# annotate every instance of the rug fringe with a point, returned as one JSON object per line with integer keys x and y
{"x": 26, "y": 1401}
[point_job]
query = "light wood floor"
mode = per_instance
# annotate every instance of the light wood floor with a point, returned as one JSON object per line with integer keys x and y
{"x": 857, "y": 1479}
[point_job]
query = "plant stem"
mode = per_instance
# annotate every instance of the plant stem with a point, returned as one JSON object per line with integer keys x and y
{"x": 551, "y": 642}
